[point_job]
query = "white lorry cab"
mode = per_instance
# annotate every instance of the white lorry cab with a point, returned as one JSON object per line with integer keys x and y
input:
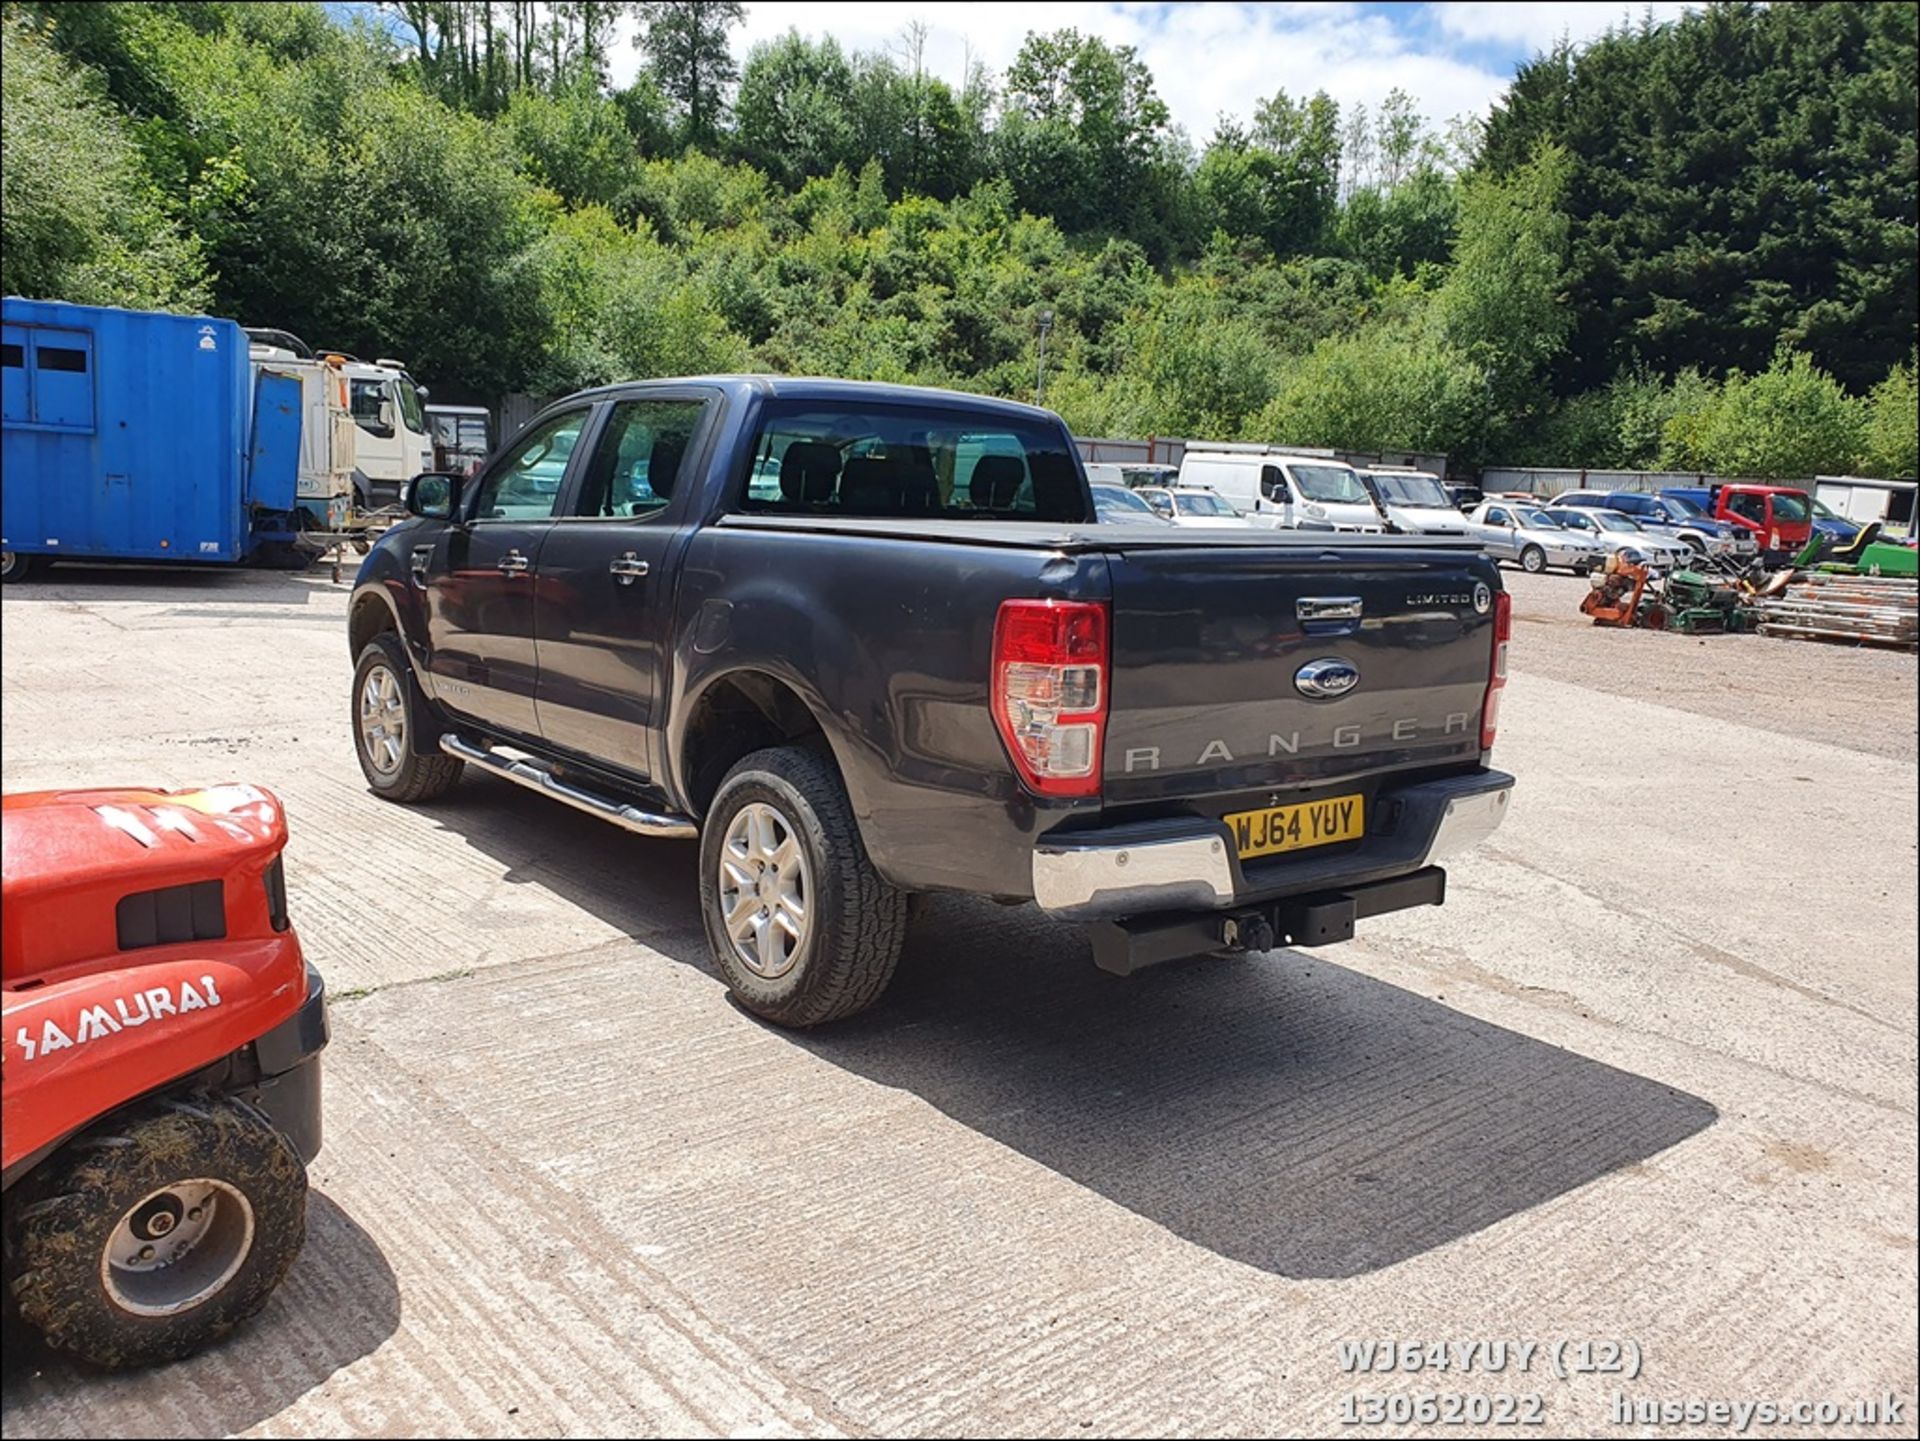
{"x": 392, "y": 443}
{"x": 1413, "y": 501}
{"x": 1293, "y": 492}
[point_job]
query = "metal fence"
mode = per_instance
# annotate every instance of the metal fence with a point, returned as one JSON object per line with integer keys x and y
{"x": 1551, "y": 480}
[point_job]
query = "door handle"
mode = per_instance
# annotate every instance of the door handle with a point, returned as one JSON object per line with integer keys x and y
{"x": 627, "y": 568}
{"x": 514, "y": 563}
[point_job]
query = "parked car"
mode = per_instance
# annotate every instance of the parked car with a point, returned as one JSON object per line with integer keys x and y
{"x": 1532, "y": 539}
{"x": 1131, "y": 473}
{"x": 1778, "y": 517}
{"x": 1617, "y": 532}
{"x": 1115, "y": 503}
{"x": 911, "y": 661}
{"x": 161, "y": 1091}
{"x": 1667, "y": 513}
{"x": 1835, "y": 527}
{"x": 1464, "y": 496}
{"x": 1293, "y": 492}
{"x": 1193, "y": 506}
{"x": 1414, "y": 502}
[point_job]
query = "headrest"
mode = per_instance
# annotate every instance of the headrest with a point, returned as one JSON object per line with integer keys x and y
{"x": 663, "y": 464}
{"x": 869, "y": 486}
{"x": 996, "y": 479}
{"x": 808, "y": 471}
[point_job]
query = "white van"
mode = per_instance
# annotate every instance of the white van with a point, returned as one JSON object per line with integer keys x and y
{"x": 1414, "y": 500}
{"x": 1294, "y": 492}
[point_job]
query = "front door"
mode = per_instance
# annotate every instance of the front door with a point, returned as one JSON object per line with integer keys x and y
{"x": 606, "y": 598}
{"x": 481, "y": 575}
{"x": 1495, "y": 531}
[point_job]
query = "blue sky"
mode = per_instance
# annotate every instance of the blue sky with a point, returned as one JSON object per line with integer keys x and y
{"x": 1221, "y": 58}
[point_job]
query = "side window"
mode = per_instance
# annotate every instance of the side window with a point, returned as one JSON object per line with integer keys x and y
{"x": 1629, "y": 504}
{"x": 1497, "y": 516}
{"x": 1273, "y": 484}
{"x": 61, "y": 386}
{"x": 13, "y": 375}
{"x": 1748, "y": 506}
{"x": 525, "y": 483}
{"x": 639, "y": 458}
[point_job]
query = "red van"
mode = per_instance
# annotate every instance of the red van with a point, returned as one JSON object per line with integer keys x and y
{"x": 1780, "y": 517}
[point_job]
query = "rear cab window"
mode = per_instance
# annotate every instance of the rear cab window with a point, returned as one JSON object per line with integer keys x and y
{"x": 813, "y": 457}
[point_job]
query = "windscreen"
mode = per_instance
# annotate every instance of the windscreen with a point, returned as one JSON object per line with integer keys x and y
{"x": 1190, "y": 503}
{"x": 1112, "y": 500}
{"x": 1539, "y": 519}
{"x": 1330, "y": 484}
{"x": 1789, "y": 507}
{"x": 1680, "y": 505}
{"x": 1608, "y": 521}
{"x": 1416, "y": 490}
{"x": 811, "y": 458}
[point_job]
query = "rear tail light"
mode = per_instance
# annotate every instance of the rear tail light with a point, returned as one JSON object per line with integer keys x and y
{"x": 1497, "y": 668}
{"x": 1050, "y": 692}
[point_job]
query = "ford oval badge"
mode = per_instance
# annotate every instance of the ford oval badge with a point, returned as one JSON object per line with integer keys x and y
{"x": 1482, "y": 597}
{"x": 1327, "y": 678}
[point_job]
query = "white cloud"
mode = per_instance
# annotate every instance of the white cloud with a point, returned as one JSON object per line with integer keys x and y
{"x": 1214, "y": 59}
{"x": 1538, "y": 27}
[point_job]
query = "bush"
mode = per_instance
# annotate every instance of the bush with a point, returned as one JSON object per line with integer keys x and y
{"x": 1789, "y": 422}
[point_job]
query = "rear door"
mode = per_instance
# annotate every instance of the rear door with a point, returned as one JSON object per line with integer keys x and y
{"x": 480, "y": 577}
{"x": 605, "y": 609}
{"x": 1213, "y": 647}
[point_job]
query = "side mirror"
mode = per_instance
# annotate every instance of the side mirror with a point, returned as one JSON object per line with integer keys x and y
{"x": 433, "y": 495}
{"x": 421, "y": 391}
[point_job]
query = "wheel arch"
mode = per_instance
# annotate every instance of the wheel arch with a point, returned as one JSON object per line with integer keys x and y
{"x": 369, "y": 613}
{"x": 735, "y": 713}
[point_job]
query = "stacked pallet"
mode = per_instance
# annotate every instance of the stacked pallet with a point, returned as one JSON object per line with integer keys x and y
{"x": 1860, "y": 609}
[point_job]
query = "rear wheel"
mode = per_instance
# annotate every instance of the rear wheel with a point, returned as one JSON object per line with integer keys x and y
{"x": 15, "y": 566}
{"x": 802, "y": 927}
{"x": 399, "y": 756}
{"x": 157, "y": 1233}
{"x": 1533, "y": 560}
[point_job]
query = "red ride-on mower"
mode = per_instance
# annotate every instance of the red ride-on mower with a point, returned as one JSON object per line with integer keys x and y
{"x": 161, "y": 1082}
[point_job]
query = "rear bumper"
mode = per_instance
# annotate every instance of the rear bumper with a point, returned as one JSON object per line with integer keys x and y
{"x": 288, "y": 1090}
{"x": 1176, "y": 865}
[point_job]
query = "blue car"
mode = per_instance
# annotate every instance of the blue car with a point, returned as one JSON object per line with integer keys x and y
{"x": 1678, "y": 513}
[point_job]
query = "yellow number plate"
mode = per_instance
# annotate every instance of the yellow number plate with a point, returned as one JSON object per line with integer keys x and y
{"x": 1294, "y": 828}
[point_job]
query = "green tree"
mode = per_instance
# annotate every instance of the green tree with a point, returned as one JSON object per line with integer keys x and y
{"x": 1502, "y": 305}
{"x": 685, "y": 42}
{"x": 1385, "y": 388}
{"x": 1082, "y": 132}
{"x": 79, "y": 218}
{"x": 794, "y": 116}
{"x": 1792, "y": 421}
{"x": 1742, "y": 176}
{"x": 1278, "y": 183}
{"x": 1893, "y": 426}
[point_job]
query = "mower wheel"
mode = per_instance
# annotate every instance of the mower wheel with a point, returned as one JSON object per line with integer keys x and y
{"x": 157, "y": 1232}
{"x": 399, "y": 751}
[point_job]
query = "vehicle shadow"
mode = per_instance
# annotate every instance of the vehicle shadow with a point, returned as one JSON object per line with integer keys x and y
{"x": 1279, "y": 1110}
{"x": 338, "y": 1303}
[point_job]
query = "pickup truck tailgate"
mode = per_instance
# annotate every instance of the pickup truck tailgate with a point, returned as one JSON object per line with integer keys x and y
{"x": 1208, "y": 644}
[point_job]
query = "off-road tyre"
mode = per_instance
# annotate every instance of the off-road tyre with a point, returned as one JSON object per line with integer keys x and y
{"x": 422, "y": 771}
{"x": 856, "y": 921}
{"x": 62, "y": 1224}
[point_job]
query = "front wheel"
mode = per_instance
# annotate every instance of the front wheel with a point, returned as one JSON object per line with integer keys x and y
{"x": 398, "y": 756}
{"x": 802, "y": 927}
{"x": 151, "y": 1236}
{"x": 1533, "y": 560}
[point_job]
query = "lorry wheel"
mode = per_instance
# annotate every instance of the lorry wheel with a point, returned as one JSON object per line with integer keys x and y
{"x": 389, "y": 727}
{"x": 158, "y": 1232}
{"x": 803, "y": 928}
{"x": 1533, "y": 560}
{"x": 15, "y": 566}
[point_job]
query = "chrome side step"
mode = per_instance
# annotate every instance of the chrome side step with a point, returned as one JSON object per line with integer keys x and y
{"x": 536, "y": 777}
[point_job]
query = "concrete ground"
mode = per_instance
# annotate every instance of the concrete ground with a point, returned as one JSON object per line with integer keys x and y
{"x": 1648, "y": 1078}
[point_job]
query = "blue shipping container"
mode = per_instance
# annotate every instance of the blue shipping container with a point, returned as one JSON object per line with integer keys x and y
{"x": 137, "y": 435}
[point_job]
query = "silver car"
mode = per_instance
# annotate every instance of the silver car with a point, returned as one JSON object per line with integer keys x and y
{"x": 1531, "y": 538}
{"x": 1622, "y": 533}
